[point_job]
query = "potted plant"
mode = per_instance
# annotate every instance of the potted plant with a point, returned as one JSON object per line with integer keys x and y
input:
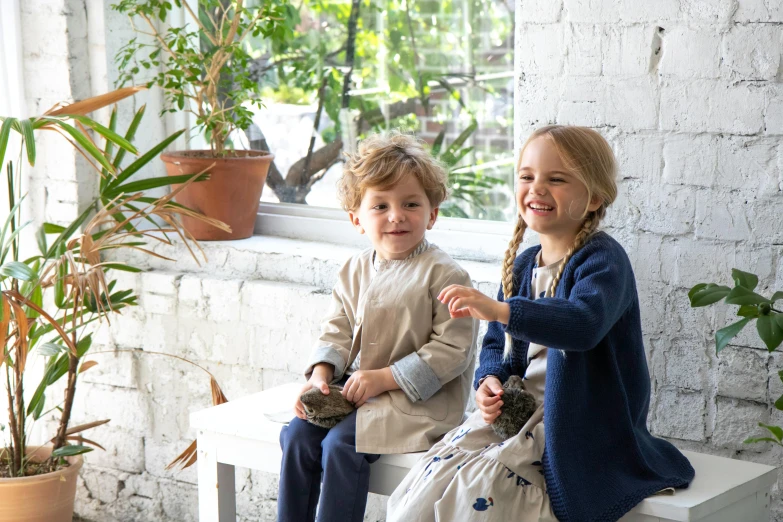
{"x": 206, "y": 72}
{"x": 767, "y": 313}
{"x": 49, "y": 300}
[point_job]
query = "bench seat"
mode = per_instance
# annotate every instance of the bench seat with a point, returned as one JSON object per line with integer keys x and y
{"x": 239, "y": 434}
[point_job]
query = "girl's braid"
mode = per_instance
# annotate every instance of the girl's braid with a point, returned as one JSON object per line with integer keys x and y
{"x": 508, "y": 273}
{"x": 589, "y": 226}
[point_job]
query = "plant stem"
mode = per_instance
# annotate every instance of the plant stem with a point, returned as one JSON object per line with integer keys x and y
{"x": 70, "y": 390}
{"x": 350, "y": 48}
{"x": 20, "y": 413}
{"x": 13, "y": 461}
{"x": 316, "y": 123}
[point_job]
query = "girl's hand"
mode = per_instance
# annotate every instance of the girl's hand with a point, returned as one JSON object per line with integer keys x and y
{"x": 464, "y": 301}
{"x": 363, "y": 385}
{"x": 320, "y": 378}
{"x": 488, "y": 398}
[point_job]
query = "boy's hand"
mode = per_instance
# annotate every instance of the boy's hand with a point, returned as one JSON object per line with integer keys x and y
{"x": 488, "y": 398}
{"x": 320, "y": 378}
{"x": 464, "y": 301}
{"x": 363, "y": 385}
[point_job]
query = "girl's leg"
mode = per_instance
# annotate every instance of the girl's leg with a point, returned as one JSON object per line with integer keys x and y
{"x": 346, "y": 480}
{"x": 300, "y": 471}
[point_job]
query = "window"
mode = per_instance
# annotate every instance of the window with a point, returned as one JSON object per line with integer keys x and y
{"x": 442, "y": 70}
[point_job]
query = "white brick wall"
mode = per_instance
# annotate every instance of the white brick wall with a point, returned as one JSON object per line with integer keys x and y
{"x": 690, "y": 95}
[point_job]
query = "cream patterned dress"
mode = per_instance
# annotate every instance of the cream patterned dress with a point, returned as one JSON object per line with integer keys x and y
{"x": 471, "y": 474}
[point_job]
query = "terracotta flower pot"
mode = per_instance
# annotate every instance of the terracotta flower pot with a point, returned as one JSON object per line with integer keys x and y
{"x": 41, "y": 498}
{"x": 232, "y": 193}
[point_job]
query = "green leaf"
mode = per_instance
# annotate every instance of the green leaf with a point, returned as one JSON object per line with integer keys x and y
{"x": 70, "y": 451}
{"x": 66, "y": 234}
{"x": 129, "y": 135}
{"x": 12, "y": 240}
{"x": 50, "y": 349}
{"x": 109, "y": 134}
{"x": 744, "y": 279}
{"x": 150, "y": 183}
{"x": 739, "y": 295}
{"x": 122, "y": 267}
{"x": 779, "y": 403}
{"x": 776, "y": 431}
{"x": 776, "y": 296}
{"x": 5, "y": 132}
{"x": 83, "y": 345}
{"x": 705, "y": 294}
{"x": 770, "y": 329}
{"x": 51, "y": 228}
{"x": 143, "y": 160}
{"x": 88, "y": 146}
{"x": 754, "y": 440}
{"x": 36, "y": 297}
{"x": 724, "y": 335}
{"x": 40, "y": 238}
{"x": 17, "y": 270}
{"x": 748, "y": 311}
{"x": 438, "y": 143}
{"x": 29, "y": 140}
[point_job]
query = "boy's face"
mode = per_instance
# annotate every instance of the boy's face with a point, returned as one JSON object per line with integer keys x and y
{"x": 396, "y": 218}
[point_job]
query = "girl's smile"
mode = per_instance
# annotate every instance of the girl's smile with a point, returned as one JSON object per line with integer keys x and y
{"x": 551, "y": 199}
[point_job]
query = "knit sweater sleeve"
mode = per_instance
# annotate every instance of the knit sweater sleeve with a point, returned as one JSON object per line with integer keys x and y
{"x": 491, "y": 357}
{"x": 602, "y": 291}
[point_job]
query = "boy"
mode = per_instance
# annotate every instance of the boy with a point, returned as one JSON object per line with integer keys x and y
{"x": 406, "y": 364}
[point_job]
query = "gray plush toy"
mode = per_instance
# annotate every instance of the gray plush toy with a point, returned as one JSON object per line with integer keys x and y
{"x": 518, "y": 405}
{"x": 325, "y": 410}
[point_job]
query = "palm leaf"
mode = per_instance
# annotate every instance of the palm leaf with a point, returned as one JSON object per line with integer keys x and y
{"x": 143, "y": 160}
{"x": 96, "y": 102}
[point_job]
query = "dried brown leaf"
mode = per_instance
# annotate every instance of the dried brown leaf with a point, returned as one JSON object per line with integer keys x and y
{"x": 89, "y": 105}
{"x": 87, "y": 426}
{"x": 63, "y": 335}
{"x": 86, "y": 365}
{"x": 186, "y": 458}
{"x": 81, "y": 440}
{"x": 4, "y": 302}
{"x": 218, "y": 397}
{"x": 22, "y": 327}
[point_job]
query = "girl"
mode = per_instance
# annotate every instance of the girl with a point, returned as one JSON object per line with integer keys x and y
{"x": 567, "y": 321}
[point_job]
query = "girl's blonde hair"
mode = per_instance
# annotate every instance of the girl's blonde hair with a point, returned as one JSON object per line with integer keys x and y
{"x": 586, "y": 155}
{"x": 382, "y": 160}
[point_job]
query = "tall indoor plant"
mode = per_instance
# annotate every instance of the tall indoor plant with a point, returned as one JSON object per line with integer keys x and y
{"x": 206, "y": 72}
{"x": 49, "y": 300}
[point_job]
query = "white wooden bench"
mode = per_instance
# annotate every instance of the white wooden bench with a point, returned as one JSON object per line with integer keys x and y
{"x": 238, "y": 434}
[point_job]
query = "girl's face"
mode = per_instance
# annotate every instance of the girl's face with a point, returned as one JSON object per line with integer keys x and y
{"x": 551, "y": 200}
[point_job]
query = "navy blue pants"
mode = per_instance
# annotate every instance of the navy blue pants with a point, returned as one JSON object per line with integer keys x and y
{"x": 307, "y": 452}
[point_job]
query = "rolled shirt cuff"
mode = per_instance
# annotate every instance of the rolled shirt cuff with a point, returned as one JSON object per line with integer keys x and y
{"x": 326, "y": 354}
{"x": 415, "y": 378}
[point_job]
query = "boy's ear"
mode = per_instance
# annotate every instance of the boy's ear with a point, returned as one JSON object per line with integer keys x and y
{"x": 355, "y": 222}
{"x": 433, "y": 217}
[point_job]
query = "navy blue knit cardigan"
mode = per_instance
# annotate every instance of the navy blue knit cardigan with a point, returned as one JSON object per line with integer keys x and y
{"x": 599, "y": 459}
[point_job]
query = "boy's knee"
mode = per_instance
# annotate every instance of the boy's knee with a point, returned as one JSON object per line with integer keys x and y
{"x": 297, "y": 433}
{"x": 338, "y": 445}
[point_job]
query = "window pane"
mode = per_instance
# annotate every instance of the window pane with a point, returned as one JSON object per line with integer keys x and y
{"x": 442, "y": 70}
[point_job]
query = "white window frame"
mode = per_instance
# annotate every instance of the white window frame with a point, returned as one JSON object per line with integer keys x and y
{"x": 465, "y": 239}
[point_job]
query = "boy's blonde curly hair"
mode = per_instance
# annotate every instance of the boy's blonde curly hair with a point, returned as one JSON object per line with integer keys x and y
{"x": 382, "y": 160}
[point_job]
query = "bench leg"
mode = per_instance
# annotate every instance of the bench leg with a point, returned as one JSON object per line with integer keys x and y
{"x": 216, "y": 489}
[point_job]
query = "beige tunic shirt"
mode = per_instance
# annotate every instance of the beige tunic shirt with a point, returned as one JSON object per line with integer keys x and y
{"x": 388, "y": 316}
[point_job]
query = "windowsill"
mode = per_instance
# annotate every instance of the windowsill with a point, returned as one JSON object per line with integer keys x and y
{"x": 315, "y": 254}
{"x": 463, "y": 239}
